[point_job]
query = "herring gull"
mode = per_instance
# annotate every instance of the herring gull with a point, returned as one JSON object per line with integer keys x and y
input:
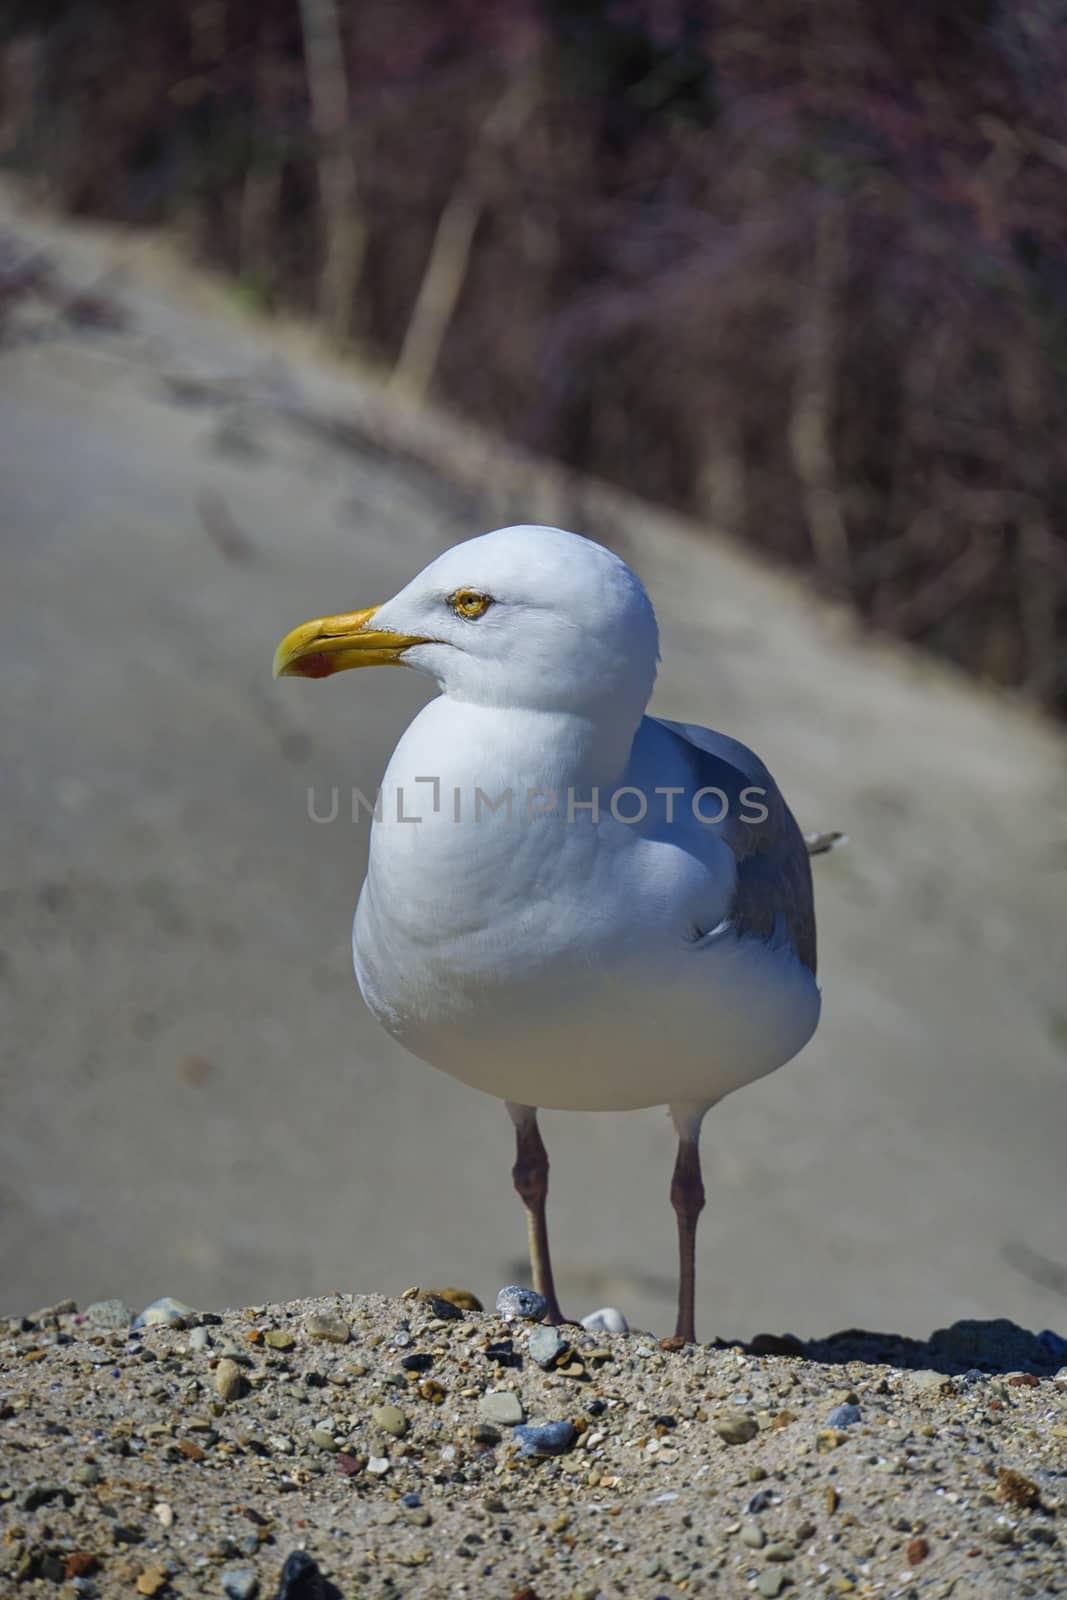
{"x": 570, "y": 903}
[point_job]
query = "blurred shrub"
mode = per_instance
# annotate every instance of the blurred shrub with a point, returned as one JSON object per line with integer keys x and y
{"x": 799, "y": 269}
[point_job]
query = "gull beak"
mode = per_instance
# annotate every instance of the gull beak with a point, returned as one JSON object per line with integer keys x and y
{"x": 333, "y": 644}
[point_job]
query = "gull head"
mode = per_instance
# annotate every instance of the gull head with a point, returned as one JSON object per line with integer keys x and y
{"x": 528, "y": 616}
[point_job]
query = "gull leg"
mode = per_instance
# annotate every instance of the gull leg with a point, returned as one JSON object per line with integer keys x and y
{"x": 687, "y": 1198}
{"x": 530, "y": 1176}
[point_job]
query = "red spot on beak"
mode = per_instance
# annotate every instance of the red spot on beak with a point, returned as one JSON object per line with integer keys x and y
{"x": 317, "y": 665}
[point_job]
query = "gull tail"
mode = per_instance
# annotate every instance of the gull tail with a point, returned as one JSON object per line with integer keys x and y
{"x": 820, "y": 844}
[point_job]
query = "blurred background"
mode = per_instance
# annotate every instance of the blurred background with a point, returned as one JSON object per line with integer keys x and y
{"x": 293, "y": 293}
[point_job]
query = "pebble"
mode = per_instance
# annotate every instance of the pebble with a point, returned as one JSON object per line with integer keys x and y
{"x": 753, "y": 1536}
{"x": 240, "y": 1583}
{"x": 844, "y": 1416}
{"x": 391, "y": 1420}
{"x": 320, "y": 1325}
{"x": 300, "y": 1578}
{"x": 770, "y": 1585}
{"x": 278, "y": 1339}
{"x": 607, "y": 1320}
{"x": 546, "y": 1345}
{"x": 378, "y": 1466}
{"x": 546, "y": 1438}
{"x": 164, "y": 1313}
{"x": 228, "y": 1380}
{"x": 779, "y": 1552}
{"x": 200, "y": 1339}
{"x": 445, "y": 1310}
{"x": 515, "y": 1301}
{"x": 109, "y": 1314}
{"x": 501, "y": 1406}
{"x": 736, "y": 1429}
{"x": 462, "y": 1299}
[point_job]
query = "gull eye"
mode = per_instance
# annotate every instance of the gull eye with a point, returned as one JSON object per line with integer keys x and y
{"x": 470, "y": 604}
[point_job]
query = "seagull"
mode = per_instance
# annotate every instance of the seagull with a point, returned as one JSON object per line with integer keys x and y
{"x": 569, "y": 903}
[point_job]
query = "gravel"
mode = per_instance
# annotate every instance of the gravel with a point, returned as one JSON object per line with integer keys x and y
{"x": 152, "y": 1462}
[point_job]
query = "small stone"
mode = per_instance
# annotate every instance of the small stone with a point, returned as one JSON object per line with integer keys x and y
{"x": 761, "y": 1499}
{"x": 90, "y": 1474}
{"x": 80, "y": 1564}
{"x": 240, "y": 1583}
{"x": 753, "y": 1536}
{"x": 779, "y": 1552}
{"x": 829, "y": 1439}
{"x": 300, "y": 1578}
{"x": 462, "y": 1299}
{"x": 109, "y": 1314}
{"x": 165, "y": 1513}
{"x": 917, "y": 1550}
{"x": 278, "y": 1339}
{"x": 152, "y": 1581}
{"x": 444, "y": 1310}
{"x": 546, "y": 1438}
{"x": 320, "y": 1325}
{"x": 68, "y": 1308}
{"x": 770, "y": 1585}
{"x": 607, "y": 1320}
{"x": 391, "y": 1420}
{"x": 926, "y": 1379}
{"x": 736, "y": 1429}
{"x": 485, "y": 1433}
{"x": 546, "y": 1345}
{"x": 502, "y": 1407}
{"x": 323, "y": 1438}
{"x": 844, "y": 1416}
{"x": 199, "y": 1339}
{"x": 515, "y": 1301}
{"x": 1015, "y": 1490}
{"x": 378, "y": 1466}
{"x": 165, "y": 1313}
{"x": 229, "y": 1384}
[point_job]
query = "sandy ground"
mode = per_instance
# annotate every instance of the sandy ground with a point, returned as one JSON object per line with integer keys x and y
{"x": 364, "y": 1449}
{"x": 195, "y": 1101}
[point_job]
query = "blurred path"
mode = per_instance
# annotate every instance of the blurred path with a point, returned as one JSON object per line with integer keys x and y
{"x": 194, "y": 1100}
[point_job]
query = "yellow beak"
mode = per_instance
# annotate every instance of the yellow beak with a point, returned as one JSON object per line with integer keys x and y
{"x": 333, "y": 644}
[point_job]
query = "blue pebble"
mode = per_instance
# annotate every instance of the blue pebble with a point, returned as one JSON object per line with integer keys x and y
{"x": 515, "y": 1301}
{"x": 844, "y": 1416}
{"x": 411, "y": 1500}
{"x": 546, "y": 1345}
{"x": 546, "y": 1438}
{"x": 240, "y": 1583}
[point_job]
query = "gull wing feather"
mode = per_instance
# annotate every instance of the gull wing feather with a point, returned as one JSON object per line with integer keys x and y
{"x": 773, "y": 869}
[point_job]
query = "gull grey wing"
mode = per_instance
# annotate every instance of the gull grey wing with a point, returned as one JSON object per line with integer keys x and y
{"x": 773, "y": 869}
